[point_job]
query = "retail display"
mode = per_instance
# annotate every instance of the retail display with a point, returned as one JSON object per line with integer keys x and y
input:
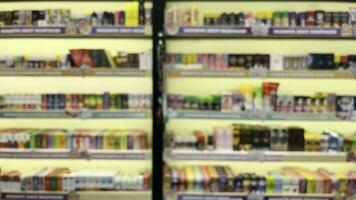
{"x": 106, "y": 101}
{"x": 243, "y": 137}
{"x": 84, "y": 139}
{"x": 64, "y": 179}
{"x": 191, "y": 16}
{"x": 273, "y": 62}
{"x": 132, "y": 14}
{"x": 288, "y": 180}
{"x": 77, "y": 58}
{"x": 118, "y": 79}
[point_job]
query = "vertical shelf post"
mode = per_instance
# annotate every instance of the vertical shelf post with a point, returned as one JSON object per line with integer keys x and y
{"x": 157, "y": 107}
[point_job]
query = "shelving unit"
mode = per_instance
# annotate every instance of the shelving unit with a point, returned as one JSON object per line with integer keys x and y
{"x": 187, "y": 81}
{"x": 165, "y": 80}
{"x": 57, "y": 40}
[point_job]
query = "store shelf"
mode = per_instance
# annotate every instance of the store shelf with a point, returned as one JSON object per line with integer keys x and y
{"x": 120, "y": 195}
{"x": 208, "y": 196}
{"x": 244, "y": 196}
{"x": 75, "y": 72}
{"x": 312, "y": 74}
{"x": 305, "y": 156}
{"x": 60, "y": 31}
{"x": 210, "y": 115}
{"x": 300, "y": 116}
{"x": 251, "y": 116}
{"x": 298, "y": 196}
{"x": 119, "y": 155}
{"x": 102, "y": 195}
{"x": 67, "y": 154}
{"x": 85, "y": 114}
{"x": 242, "y": 32}
{"x": 186, "y": 155}
{"x": 9, "y": 195}
{"x": 289, "y": 156}
{"x": 207, "y": 73}
{"x": 236, "y": 73}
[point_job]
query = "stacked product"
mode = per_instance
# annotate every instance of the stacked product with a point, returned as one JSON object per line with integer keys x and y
{"x": 192, "y": 16}
{"x": 288, "y": 180}
{"x": 91, "y": 58}
{"x": 265, "y": 98}
{"x": 106, "y": 101}
{"x": 133, "y": 14}
{"x": 272, "y": 62}
{"x": 243, "y": 137}
{"x": 63, "y": 179}
{"x": 73, "y": 139}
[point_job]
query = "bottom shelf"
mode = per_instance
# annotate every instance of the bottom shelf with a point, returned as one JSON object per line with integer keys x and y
{"x": 85, "y": 195}
{"x": 245, "y": 196}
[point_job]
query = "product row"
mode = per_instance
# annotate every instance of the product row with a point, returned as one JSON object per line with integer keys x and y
{"x": 63, "y": 179}
{"x": 78, "y": 58}
{"x": 82, "y": 139}
{"x": 244, "y": 137}
{"x": 131, "y": 14}
{"x": 266, "y": 98}
{"x": 273, "y": 62}
{"x": 288, "y": 180}
{"x": 105, "y": 101}
{"x": 194, "y": 16}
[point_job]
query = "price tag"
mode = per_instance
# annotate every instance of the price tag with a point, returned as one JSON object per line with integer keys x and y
{"x": 85, "y": 114}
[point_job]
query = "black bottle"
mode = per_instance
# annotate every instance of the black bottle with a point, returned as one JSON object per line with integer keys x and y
{"x": 295, "y": 139}
{"x": 141, "y": 13}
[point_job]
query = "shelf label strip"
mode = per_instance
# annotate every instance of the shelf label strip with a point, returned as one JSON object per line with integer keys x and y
{"x": 211, "y": 197}
{"x": 36, "y": 196}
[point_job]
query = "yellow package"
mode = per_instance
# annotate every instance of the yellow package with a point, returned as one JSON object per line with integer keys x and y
{"x": 270, "y": 184}
{"x": 214, "y": 184}
{"x": 189, "y": 171}
{"x": 123, "y": 143}
{"x": 342, "y": 182}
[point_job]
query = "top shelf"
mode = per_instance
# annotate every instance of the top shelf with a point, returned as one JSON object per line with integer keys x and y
{"x": 62, "y": 32}
{"x": 224, "y": 32}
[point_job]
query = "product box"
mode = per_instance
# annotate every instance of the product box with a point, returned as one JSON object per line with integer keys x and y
{"x": 81, "y": 57}
{"x": 300, "y": 103}
{"x": 312, "y": 141}
{"x": 344, "y": 107}
{"x": 226, "y": 102}
{"x": 353, "y": 115}
{"x": 285, "y": 103}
